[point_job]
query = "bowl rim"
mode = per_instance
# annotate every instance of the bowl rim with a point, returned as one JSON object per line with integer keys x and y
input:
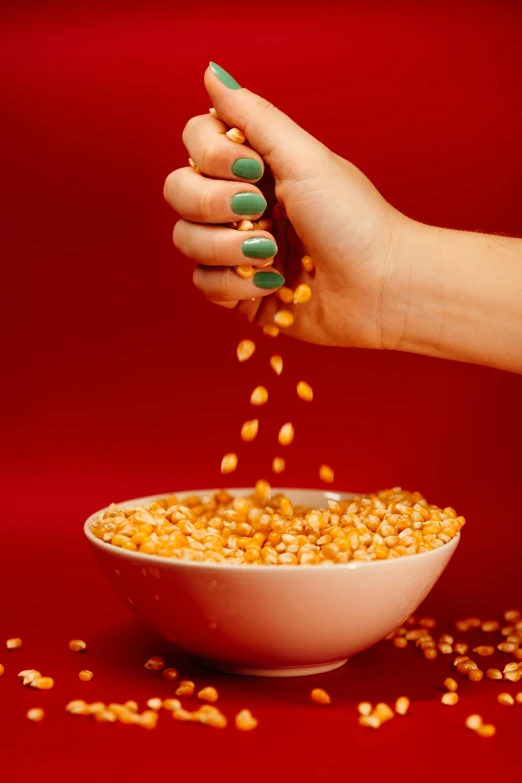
{"x": 244, "y": 567}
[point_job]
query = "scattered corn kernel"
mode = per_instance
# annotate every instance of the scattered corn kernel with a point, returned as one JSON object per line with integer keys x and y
{"x": 155, "y": 704}
{"x": 319, "y": 696}
{"x": 302, "y": 294}
{"x": 475, "y": 675}
{"x": 402, "y": 705}
{"x": 383, "y": 712}
{"x": 171, "y": 674}
{"x": 229, "y": 463}
{"x": 276, "y": 363}
{"x": 208, "y": 694}
{"x": 28, "y": 675}
{"x": 43, "y": 683}
{"x": 486, "y": 730}
{"x": 13, "y": 644}
{"x": 149, "y": 719}
{"x": 326, "y": 474}
{"x": 490, "y": 626}
{"x": 259, "y": 396}
{"x": 172, "y": 704}
{"x": 512, "y": 615}
{"x": 2, "y": 670}
{"x": 365, "y": 708}
{"x": 304, "y": 391}
{"x": 400, "y": 641}
{"x": 234, "y": 134}
{"x": 270, "y": 330}
{"x": 474, "y": 721}
{"x": 461, "y": 648}
{"x": 245, "y": 721}
{"x": 77, "y": 645}
{"x": 245, "y": 225}
{"x": 35, "y": 714}
{"x": 249, "y": 430}
{"x": 245, "y": 349}
{"x": 85, "y": 675}
{"x": 518, "y": 697}
{"x": 506, "y": 699}
{"x": 484, "y": 650}
{"x": 186, "y": 688}
{"x": 308, "y": 263}
{"x": 513, "y": 676}
{"x": 507, "y": 647}
{"x": 450, "y": 684}
{"x": 372, "y": 721}
{"x": 155, "y": 664}
{"x": 245, "y": 271}
{"x": 285, "y": 294}
{"x": 278, "y": 464}
{"x": 286, "y": 434}
{"x": 450, "y": 699}
{"x": 284, "y": 318}
{"x": 494, "y": 674}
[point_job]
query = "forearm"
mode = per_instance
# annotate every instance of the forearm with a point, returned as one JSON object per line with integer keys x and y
{"x": 464, "y": 297}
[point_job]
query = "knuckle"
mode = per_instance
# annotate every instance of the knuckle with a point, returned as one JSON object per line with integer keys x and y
{"x": 208, "y": 159}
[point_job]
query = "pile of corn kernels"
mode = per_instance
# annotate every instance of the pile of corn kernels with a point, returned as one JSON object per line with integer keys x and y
{"x": 261, "y": 529}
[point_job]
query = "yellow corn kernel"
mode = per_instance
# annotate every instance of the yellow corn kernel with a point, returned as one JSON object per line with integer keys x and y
{"x": 402, "y": 705}
{"x": 43, "y": 683}
{"x": 245, "y": 225}
{"x": 484, "y": 650}
{"x": 266, "y": 262}
{"x": 372, "y": 721}
{"x": 450, "y": 699}
{"x": 450, "y": 684}
{"x": 285, "y": 294}
{"x": 131, "y": 706}
{"x": 286, "y": 508}
{"x": 186, "y": 688}
{"x": 35, "y": 714}
{"x": 85, "y": 675}
{"x": 77, "y": 707}
{"x": 302, "y": 294}
{"x": 2, "y": 670}
{"x": 518, "y": 697}
{"x": 383, "y": 712}
{"x": 265, "y": 224}
{"x": 245, "y": 349}
{"x": 286, "y": 434}
{"x": 77, "y": 645}
{"x": 194, "y": 167}
{"x": 461, "y": 648}
{"x": 208, "y": 694}
{"x": 96, "y": 706}
{"x": 270, "y": 330}
{"x": 249, "y": 430}
{"x": 172, "y": 704}
{"x": 149, "y": 719}
{"x": 304, "y": 391}
{"x": 474, "y": 721}
{"x": 475, "y": 675}
{"x": 284, "y": 318}
{"x": 13, "y": 644}
{"x": 276, "y": 363}
{"x": 171, "y": 674}
{"x": 244, "y": 271}
{"x": 263, "y": 491}
{"x": 245, "y": 721}
{"x": 486, "y": 730}
{"x": 229, "y": 463}
{"x": 506, "y": 699}
{"x": 507, "y": 647}
{"x": 319, "y": 696}
{"x": 490, "y": 626}
{"x": 234, "y": 134}
{"x": 308, "y": 263}
{"x": 513, "y": 676}
{"x": 213, "y": 113}
{"x": 155, "y": 664}
{"x": 326, "y": 474}
{"x": 364, "y": 708}
{"x": 28, "y": 675}
{"x": 400, "y": 641}
{"x": 259, "y": 396}
{"x": 278, "y": 464}
{"x": 155, "y": 704}
{"x": 512, "y": 615}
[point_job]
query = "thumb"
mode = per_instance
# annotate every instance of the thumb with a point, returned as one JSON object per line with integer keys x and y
{"x": 290, "y": 151}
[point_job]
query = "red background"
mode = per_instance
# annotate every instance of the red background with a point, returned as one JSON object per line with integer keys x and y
{"x": 120, "y": 381}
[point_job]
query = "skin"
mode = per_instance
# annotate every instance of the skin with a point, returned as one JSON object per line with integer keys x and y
{"x": 381, "y": 280}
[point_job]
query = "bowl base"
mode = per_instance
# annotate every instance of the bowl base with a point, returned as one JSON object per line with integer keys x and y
{"x": 271, "y": 671}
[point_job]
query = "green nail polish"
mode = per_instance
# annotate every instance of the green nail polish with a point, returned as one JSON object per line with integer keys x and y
{"x": 268, "y": 280}
{"x": 259, "y": 247}
{"x": 248, "y": 204}
{"x": 224, "y": 77}
{"x": 247, "y": 168}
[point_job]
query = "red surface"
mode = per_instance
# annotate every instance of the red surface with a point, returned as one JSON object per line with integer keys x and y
{"x": 120, "y": 381}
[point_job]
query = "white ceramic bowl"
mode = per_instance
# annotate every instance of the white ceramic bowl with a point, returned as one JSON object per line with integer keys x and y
{"x": 270, "y": 620}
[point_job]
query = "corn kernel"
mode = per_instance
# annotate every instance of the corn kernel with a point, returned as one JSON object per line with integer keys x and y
{"x": 35, "y": 714}
{"x": 245, "y": 349}
{"x": 259, "y": 396}
{"x": 450, "y": 684}
{"x": 513, "y": 676}
{"x": 284, "y": 318}
{"x": 171, "y": 674}
{"x": 450, "y": 699}
{"x": 285, "y": 294}
{"x": 278, "y": 464}
{"x": 155, "y": 704}
{"x": 77, "y": 645}
{"x": 245, "y": 721}
{"x": 85, "y": 675}
{"x": 304, "y": 391}
{"x": 486, "y": 730}
{"x": 518, "y": 697}
{"x": 172, "y": 704}
{"x": 319, "y": 696}
{"x": 372, "y": 721}
{"x": 474, "y": 721}
{"x": 149, "y": 719}
{"x": 13, "y": 644}
{"x": 245, "y": 271}
{"x": 213, "y": 113}
{"x": 270, "y": 330}
{"x": 249, "y": 430}
{"x": 185, "y": 688}
{"x": 490, "y": 626}
{"x": 208, "y": 694}
{"x": 229, "y": 463}
{"x": 475, "y": 675}
{"x": 383, "y": 712}
{"x": 276, "y": 363}
{"x": 245, "y": 225}
{"x": 155, "y": 664}
{"x": 265, "y": 224}
{"x": 236, "y": 135}
{"x": 402, "y": 705}
{"x": 302, "y": 294}
{"x": 308, "y": 263}
{"x": 326, "y": 474}
{"x": 365, "y": 708}
{"x": 286, "y": 434}
{"x": 2, "y": 670}
{"x": 194, "y": 167}
{"x": 506, "y": 699}
{"x": 512, "y": 615}
{"x": 484, "y": 650}
{"x": 43, "y": 683}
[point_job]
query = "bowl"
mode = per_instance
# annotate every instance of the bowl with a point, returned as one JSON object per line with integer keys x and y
{"x": 270, "y": 620}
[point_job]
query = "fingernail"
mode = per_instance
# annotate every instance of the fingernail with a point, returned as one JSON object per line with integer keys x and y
{"x": 224, "y": 77}
{"x": 259, "y": 247}
{"x": 248, "y": 204}
{"x": 247, "y": 168}
{"x": 268, "y": 280}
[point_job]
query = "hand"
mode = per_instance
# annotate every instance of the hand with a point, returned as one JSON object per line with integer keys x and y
{"x": 333, "y": 212}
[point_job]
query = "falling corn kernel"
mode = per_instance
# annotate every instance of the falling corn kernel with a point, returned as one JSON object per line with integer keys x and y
{"x": 494, "y": 674}
{"x": 77, "y": 707}
{"x": 208, "y": 694}
{"x": 430, "y": 654}
{"x": 259, "y": 396}
{"x": 450, "y": 684}
{"x": 302, "y": 294}
{"x": 305, "y": 391}
{"x": 77, "y": 645}
{"x": 96, "y": 706}
{"x": 371, "y": 721}
{"x": 263, "y": 491}
{"x": 518, "y": 697}
{"x": 278, "y": 464}
{"x": 402, "y": 705}
{"x": 450, "y": 699}
{"x": 245, "y": 721}
{"x": 43, "y": 683}
{"x": 193, "y": 166}
{"x": 244, "y": 271}
{"x": 132, "y": 706}
{"x": 172, "y": 704}
{"x": 284, "y": 318}
{"x": 171, "y": 674}
{"x": 234, "y": 134}
{"x": 286, "y": 507}
{"x": 185, "y": 688}
{"x": 308, "y": 263}
{"x": 214, "y": 113}
{"x": 249, "y": 430}
{"x": 265, "y": 224}
{"x": 149, "y": 719}
{"x": 506, "y": 699}
{"x": 244, "y": 225}
{"x": 245, "y": 349}
{"x": 474, "y": 721}
{"x": 286, "y": 434}
{"x": 155, "y": 664}
{"x": 285, "y": 294}
{"x": 364, "y": 708}
{"x": 486, "y": 730}
{"x": 318, "y": 696}
{"x": 270, "y": 330}
{"x": 383, "y": 712}
{"x": 229, "y": 463}
{"x": 85, "y": 675}
{"x": 276, "y": 363}
{"x": 35, "y": 714}
{"x": 13, "y": 644}
{"x": 155, "y": 704}
{"x": 326, "y": 474}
